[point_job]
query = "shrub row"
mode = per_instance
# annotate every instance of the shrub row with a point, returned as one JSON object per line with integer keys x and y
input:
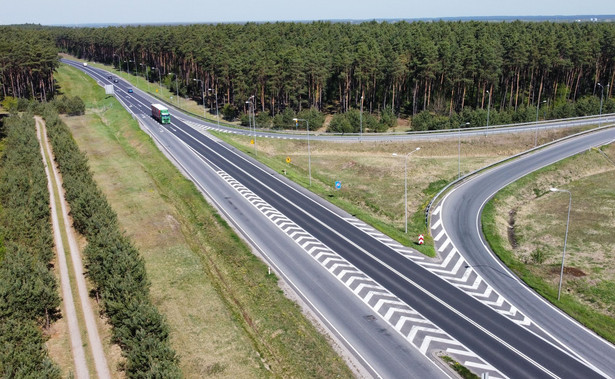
{"x": 586, "y": 106}
{"x": 28, "y": 290}
{"x": 113, "y": 264}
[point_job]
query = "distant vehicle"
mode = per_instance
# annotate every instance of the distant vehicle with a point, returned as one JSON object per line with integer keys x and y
{"x": 161, "y": 114}
{"x": 114, "y": 80}
{"x": 129, "y": 90}
{"x": 85, "y": 64}
{"x": 109, "y": 77}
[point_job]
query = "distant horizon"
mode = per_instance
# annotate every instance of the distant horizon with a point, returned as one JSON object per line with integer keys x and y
{"x": 160, "y": 12}
{"x": 494, "y": 18}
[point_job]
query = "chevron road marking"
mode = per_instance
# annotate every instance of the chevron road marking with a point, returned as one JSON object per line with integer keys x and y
{"x": 459, "y": 275}
{"x": 414, "y": 327}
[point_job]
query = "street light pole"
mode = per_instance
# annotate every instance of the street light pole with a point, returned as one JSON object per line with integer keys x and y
{"x": 406, "y": 186}
{"x": 459, "y": 149}
{"x": 202, "y": 95}
{"x": 361, "y": 121}
{"x": 177, "y": 87}
{"x": 601, "y": 96}
{"x": 561, "y": 275}
{"x": 307, "y": 123}
{"x": 251, "y": 102}
{"x": 216, "y": 97}
{"x": 488, "y": 108}
{"x": 536, "y": 134}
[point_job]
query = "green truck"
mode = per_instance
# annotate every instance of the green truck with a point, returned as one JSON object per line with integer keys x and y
{"x": 161, "y": 114}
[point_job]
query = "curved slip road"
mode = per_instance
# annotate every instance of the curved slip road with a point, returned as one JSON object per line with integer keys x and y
{"x": 507, "y": 348}
{"x": 460, "y": 218}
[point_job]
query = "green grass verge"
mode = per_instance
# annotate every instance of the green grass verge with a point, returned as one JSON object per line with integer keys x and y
{"x": 254, "y": 330}
{"x": 369, "y": 212}
{"x": 577, "y": 295}
{"x": 459, "y": 368}
{"x": 160, "y": 91}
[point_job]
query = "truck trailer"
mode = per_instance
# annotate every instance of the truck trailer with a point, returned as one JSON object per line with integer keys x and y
{"x": 161, "y": 114}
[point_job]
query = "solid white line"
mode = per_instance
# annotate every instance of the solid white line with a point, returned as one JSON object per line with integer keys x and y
{"x": 573, "y": 354}
{"x": 425, "y": 291}
{"x": 264, "y": 254}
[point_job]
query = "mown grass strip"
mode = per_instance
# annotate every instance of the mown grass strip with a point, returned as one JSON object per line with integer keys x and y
{"x": 285, "y": 342}
{"x": 114, "y": 265}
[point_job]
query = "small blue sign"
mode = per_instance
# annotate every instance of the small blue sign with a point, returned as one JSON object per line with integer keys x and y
{"x": 338, "y": 184}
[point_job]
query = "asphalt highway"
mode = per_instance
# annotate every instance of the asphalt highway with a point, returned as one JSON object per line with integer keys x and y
{"x": 461, "y": 211}
{"x": 509, "y": 349}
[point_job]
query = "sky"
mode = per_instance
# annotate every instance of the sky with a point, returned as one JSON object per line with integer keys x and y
{"x": 79, "y": 12}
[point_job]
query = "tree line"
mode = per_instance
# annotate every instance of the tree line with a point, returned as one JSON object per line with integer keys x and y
{"x": 445, "y": 68}
{"x": 113, "y": 264}
{"x": 28, "y": 58}
{"x": 29, "y": 298}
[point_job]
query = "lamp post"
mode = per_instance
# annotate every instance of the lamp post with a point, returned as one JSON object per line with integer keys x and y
{"x": 406, "y": 185}
{"x": 561, "y": 275}
{"x": 307, "y": 123}
{"x": 361, "y": 121}
{"x": 488, "y": 108}
{"x": 601, "y": 96}
{"x": 459, "y": 149}
{"x": 249, "y": 104}
{"x": 216, "y": 96}
{"x": 536, "y": 134}
{"x": 202, "y": 95}
{"x": 251, "y": 107}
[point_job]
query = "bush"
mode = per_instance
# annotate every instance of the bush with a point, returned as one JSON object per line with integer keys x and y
{"x": 313, "y": 116}
{"x": 340, "y": 124}
{"x": 388, "y": 117}
{"x": 284, "y": 119}
{"x": 10, "y": 104}
{"x": 71, "y": 106}
{"x": 263, "y": 120}
{"x": 23, "y": 353}
{"x": 421, "y": 121}
{"x": 229, "y": 112}
{"x": 245, "y": 119}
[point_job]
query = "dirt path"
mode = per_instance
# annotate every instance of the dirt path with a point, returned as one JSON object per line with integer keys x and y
{"x": 100, "y": 361}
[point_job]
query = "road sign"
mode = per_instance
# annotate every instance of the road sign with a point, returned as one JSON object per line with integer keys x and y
{"x": 338, "y": 184}
{"x": 287, "y": 159}
{"x": 421, "y": 239}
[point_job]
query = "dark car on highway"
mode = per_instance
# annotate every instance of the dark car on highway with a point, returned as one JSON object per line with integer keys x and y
{"x": 129, "y": 90}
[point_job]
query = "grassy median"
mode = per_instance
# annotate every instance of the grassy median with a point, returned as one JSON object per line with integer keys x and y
{"x": 227, "y": 316}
